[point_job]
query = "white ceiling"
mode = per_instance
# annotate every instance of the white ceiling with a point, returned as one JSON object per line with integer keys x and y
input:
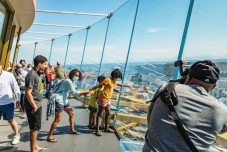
{"x": 24, "y": 13}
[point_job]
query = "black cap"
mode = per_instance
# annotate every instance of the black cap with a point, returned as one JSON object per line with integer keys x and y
{"x": 205, "y": 71}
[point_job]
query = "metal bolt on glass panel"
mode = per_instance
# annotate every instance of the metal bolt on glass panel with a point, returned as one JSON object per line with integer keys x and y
{"x": 176, "y": 70}
{"x": 129, "y": 48}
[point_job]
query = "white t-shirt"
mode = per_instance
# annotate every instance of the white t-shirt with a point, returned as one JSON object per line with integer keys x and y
{"x": 8, "y": 85}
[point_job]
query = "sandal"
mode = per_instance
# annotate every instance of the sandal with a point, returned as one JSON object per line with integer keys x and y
{"x": 51, "y": 140}
{"x": 108, "y": 131}
{"x": 42, "y": 149}
{"x": 75, "y": 133}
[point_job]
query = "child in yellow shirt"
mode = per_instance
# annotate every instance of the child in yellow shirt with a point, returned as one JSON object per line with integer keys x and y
{"x": 93, "y": 106}
{"x": 104, "y": 98}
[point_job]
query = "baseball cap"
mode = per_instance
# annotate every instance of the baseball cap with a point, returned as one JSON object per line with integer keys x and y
{"x": 205, "y": 71}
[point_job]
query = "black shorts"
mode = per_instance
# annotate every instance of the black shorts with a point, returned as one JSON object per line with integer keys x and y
{"x": 60, "y": 108}
{"x": 93, "y": 109}
{"x": 34, "y": 119}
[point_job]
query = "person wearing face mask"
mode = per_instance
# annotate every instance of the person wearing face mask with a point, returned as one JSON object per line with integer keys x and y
{"x": 20, "y": 75}
{"x": 104, "y": 98}
{"x": 62, "y": 103}
{"x": 29, "y": 67}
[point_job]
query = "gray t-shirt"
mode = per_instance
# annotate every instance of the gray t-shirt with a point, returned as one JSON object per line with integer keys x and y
{"x": 34, "y": 81}
{"x": 202, "y": 115}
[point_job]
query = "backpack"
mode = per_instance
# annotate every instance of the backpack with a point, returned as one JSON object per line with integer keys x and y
{"x": 52, "y": 90}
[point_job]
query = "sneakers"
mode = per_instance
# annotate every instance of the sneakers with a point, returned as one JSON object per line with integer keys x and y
{"x": 16, "y": 140}
{"x": 98, "y": 133}
{"x": 22, "y": 116}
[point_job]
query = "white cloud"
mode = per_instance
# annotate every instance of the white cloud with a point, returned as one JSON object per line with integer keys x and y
{"x": 152, "y": 30}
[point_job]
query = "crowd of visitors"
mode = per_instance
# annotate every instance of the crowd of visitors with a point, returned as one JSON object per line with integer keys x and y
{"x": 201, "y": 115}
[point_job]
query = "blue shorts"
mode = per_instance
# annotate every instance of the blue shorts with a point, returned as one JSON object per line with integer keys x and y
{"x": 7, "y": 111}
{"x": 60, "y": 108}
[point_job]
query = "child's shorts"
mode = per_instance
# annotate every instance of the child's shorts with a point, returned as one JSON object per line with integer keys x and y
{"x": 93, "y": 109}
{"x": 103, "y": 103}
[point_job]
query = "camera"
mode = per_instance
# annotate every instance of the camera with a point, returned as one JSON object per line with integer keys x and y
{"x": 183, "y": 72}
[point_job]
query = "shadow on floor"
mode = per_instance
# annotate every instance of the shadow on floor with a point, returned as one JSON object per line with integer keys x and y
{"x": 8, "y": 149}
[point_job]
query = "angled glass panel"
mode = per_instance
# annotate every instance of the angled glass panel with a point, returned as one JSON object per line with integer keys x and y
{"x": 155, "y": 46}
{"x": 75, "y": 50}
{"x": 207, "y": 37}
{"x": 26, "y": 52}
{"x": 93, "y": 52}
{"x": 59, "y": 50}
{"x": 43, "y": 48}
{"x": 118, "y": 38}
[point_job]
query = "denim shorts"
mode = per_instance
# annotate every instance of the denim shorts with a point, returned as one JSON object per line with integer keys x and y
{"x": 60, "y": 108}
{"x": 7, "y": 111}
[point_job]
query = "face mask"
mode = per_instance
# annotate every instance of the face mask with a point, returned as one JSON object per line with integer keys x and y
{"x": 75, "y": 78}
{"x": 20, "y": 70}
{"x": 29, "y": 69}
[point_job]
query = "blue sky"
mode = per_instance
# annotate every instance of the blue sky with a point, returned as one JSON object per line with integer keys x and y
{"x": 157, "y": 34}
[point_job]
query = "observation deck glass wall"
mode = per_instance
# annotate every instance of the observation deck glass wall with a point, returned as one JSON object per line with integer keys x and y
{"x": 206, "y": 39}
{"x": 155, "y": 46}
{"x": 75, "y": 50}
{"x": 93, "y": 52}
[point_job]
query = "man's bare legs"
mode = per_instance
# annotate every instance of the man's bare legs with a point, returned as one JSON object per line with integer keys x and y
{"x": 14, "y": 126}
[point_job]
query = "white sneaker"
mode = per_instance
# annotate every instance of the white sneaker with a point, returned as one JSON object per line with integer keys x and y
{"x": 22, "y": 115}
{"x": 16, "y": 140}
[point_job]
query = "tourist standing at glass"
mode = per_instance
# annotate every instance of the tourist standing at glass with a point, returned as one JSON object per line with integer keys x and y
{"x": 104, "y": 98}
{"x": 50, "y": 75}
{"x": 62, "y": 104}
{"x": 8, "y": 84}
{"x": 93, "y": 105}
{"x": 20, "y": 75}
{"x": 34, "y": 97}
{"x": 60, "y": 73}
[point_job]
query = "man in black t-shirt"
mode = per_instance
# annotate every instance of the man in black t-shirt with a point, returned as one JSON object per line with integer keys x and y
{"x": 34, "y": 97}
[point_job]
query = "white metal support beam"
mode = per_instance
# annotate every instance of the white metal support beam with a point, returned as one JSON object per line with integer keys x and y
{"x": 47, "y": 33}
{"x": 72, "y": 13}
{"x": 59, "y": 25}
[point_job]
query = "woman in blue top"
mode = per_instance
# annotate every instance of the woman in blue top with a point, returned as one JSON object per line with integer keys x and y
{"x": 62, "y": 103}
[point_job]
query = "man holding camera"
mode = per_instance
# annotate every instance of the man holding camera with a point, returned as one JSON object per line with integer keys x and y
{"x": 201, "y": 115}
